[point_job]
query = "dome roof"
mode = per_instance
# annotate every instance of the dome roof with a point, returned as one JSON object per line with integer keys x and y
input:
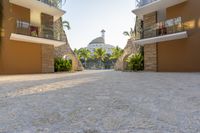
{"x": 98, "y": 40}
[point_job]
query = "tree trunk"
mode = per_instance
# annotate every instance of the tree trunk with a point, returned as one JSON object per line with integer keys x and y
{"x": 85, "y": 63}
{"x": 101, "y": 64}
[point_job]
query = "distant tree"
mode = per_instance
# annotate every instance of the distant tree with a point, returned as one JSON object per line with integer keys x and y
{"x": 116, "y": 53}
{"x": 84, "y": 54}
{"x": 100, "y": 55}
{"x": 66, "y": 24}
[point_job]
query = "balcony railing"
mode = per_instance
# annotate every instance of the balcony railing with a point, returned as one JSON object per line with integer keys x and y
{"x": 140, "y": 3}
{"x": 54, "y": 3}
{"x": 163, "y": 28}
{"x": 46, "y": 32}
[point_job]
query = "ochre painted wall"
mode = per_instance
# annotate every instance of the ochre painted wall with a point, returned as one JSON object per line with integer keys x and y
{"x": 182, "y": 55}
{"x": 18, "y": 57}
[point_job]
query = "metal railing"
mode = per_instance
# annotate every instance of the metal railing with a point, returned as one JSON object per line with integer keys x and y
{"x": 163, "y": 28}
{"x": 140, "y": 3}
{"x": 47, "y": 32}
{"x": 54, "y": 3}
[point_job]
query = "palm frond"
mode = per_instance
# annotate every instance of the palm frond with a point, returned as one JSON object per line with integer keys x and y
{"x": 126, "y": 33}
{"x": 66, "y": 24}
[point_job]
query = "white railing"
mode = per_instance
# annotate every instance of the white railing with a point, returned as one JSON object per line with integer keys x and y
{"x": 140, "y": 3}
{"x": 54, "y": 3}
{"x": 48, "y": 32}
{"x": 170, "y": 26}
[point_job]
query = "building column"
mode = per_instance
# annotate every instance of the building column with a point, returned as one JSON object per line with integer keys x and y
{"x": 150, "y": 50}
{"x": 47, "y": 59}
{"x": 150, "y": 57}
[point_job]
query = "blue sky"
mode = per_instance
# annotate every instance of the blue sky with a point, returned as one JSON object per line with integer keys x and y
{"x": 88, "y": 17}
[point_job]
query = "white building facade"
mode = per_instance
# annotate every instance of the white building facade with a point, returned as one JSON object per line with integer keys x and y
{"x": 99, "y": 42}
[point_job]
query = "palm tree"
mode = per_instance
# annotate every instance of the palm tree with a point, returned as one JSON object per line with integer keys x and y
{"x": 130, "y": 33}
{"x": 116, "y": 53}
{"x": 100, "y": 55}
{"x": 84, "y": 54}
{"x": 66, "y": 24}
{"x": 76, "y": 51}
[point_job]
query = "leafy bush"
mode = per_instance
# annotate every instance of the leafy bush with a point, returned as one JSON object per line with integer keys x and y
{"x": 61, "y": 64}
{"x": 136, "y": 62}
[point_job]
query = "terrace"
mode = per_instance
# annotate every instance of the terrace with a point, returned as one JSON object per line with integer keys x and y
{"x": 54, "y": 3}
{"x": 147, "y": 6}
{"x": 168, "y": 30}
{"x": 49, "y": 7}
{"x": 141, "y": 3}
{"x": 43, "y": 35}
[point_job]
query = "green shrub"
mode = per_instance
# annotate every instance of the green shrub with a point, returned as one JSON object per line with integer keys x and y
{"x": 136, "y": 62}
{"x": 61, "y": 64}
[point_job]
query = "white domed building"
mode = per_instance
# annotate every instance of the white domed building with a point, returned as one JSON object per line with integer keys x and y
{"x": 99, "y": 42}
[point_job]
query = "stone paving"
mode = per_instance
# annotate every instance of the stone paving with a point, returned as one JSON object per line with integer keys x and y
{"x": 100, "y": 102}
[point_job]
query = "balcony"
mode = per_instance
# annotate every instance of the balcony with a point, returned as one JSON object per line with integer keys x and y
{"x": 55, "y": 3}
{"x": 141, "y": 3}
{"x": 43, "y": 6}
{"x": 147, "y": 6}
{"x": 41, "y": 35}
{"x": 172, "y": 29}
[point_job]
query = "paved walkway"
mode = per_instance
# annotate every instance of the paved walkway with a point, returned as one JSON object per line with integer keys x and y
{"x": 100, "y": 102}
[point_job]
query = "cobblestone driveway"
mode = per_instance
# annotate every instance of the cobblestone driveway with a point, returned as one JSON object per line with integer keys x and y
{"x": 105, "y": 101}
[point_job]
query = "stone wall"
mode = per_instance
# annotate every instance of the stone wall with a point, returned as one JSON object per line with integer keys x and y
{"x": 49, "y": 52}
{"x": 59, "y": 33}
{"x": 65, "y": 50}
{"x": 149, "y": 21}
{"x": 150, "y": 51}
{"x": 130, "y": 48}
{"x": 150, "y": 57}
{"x": 47, "y": 58}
